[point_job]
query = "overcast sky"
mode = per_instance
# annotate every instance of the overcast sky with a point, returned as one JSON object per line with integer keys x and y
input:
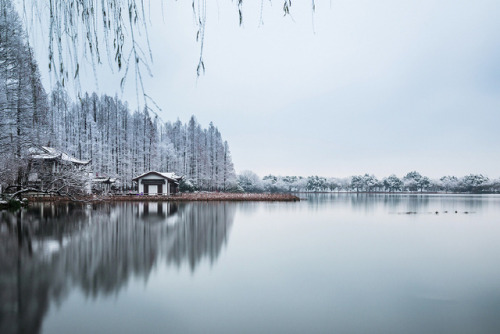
{"x": 377, "y": 87}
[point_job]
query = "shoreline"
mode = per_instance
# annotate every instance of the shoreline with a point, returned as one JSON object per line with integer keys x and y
{"x": 188, "y": 197}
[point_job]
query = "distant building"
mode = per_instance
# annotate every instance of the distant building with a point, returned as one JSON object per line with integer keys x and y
{"x": 156, "y": 183}
{"x": 103, "y": 185}
{"x": 47, "y": 164}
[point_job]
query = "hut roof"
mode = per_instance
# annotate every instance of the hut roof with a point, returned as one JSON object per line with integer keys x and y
{"x": 170, "y": 176}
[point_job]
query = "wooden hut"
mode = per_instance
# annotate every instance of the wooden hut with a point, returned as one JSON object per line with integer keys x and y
{"x": 156, "y": 183}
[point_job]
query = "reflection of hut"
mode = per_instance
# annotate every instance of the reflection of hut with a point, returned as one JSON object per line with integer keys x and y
{"x": 155, "y": 183}
{"x": 158, "y": 212}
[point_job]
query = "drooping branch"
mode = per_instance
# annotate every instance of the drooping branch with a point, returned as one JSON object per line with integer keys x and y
{"x": 88, "y": 25}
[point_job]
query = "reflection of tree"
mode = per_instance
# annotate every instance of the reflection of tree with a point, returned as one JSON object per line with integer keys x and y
{"x": 204, "y": 230}
{"x": 27, "y": 282}
{"x": 98, "y": 248}
{"x": 394, "y": 203}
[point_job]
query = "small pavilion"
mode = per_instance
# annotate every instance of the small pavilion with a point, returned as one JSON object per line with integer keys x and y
{"x": 156, "y": 183}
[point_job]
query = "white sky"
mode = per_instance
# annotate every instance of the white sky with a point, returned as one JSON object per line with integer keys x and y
{"x": 375, "y": 87}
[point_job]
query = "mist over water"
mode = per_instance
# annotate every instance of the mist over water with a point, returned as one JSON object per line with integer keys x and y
{"x": 331, "y": 263}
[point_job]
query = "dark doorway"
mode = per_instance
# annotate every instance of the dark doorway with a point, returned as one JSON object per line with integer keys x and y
{"x": 146, "y": 189}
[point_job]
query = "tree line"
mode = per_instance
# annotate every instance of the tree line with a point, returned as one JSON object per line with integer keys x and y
{"x": 123, "y": 144}
{"x": 120, "y": 143}
{"x": 411, "y": 182}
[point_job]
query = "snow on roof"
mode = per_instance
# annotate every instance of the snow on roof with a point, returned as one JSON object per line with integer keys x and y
{"x": 104, "y": 180}
{"x": 44, "y": 156}
{"x": 35, "y": 150}
{"x": 171, "y": 176}
{"x": 39, "y": 153}
{"x": 53, "y": 153}
{"x": 65, "y": 156}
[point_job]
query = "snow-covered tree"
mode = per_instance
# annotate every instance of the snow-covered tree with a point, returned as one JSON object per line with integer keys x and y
{"x": 392, "y": 183}
{"x": 317, "y": 184}
{"x": 250, "y": 182}
{"x": 23, "y": 102}
{"x": 414, "y": 181}
{"x": 449, "y": 183}
{"x": 370, "y": 182}
{"x": 357, "y": 183}
{"x": 474, "y": 183}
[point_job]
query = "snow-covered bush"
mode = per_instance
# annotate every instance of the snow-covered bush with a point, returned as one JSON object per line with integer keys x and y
{"x": 186, "y": 186}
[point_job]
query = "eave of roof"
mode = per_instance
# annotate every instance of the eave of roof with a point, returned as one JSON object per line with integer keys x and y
{"x": 65, "y": 156}
{"x": 163, "y": 175}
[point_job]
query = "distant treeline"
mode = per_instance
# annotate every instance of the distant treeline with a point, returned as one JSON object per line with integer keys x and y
{"x": 411, "y": 182}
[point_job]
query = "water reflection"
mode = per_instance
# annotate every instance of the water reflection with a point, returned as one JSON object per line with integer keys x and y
{"x": 319, "y": 264}
{"x": 397, "y": 203}
{"x": 48, "y": 249}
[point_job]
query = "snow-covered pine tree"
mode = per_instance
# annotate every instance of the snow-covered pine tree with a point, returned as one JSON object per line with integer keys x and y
{"x": 23, "y": 101}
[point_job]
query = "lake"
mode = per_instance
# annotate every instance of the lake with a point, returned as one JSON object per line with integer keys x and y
{"x": 333, "y": 263}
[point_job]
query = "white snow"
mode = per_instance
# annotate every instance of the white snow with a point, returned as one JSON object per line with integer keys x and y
{"x": 53, "y": 153}
{"x": 172, "y": 176}
{"x": 64, "y": 156}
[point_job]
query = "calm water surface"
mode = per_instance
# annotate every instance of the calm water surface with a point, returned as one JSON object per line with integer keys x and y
{"x": 329, "y": 264}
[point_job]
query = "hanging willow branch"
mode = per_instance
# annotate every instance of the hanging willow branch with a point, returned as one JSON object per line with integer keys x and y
{"x": 112, "y": 26}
